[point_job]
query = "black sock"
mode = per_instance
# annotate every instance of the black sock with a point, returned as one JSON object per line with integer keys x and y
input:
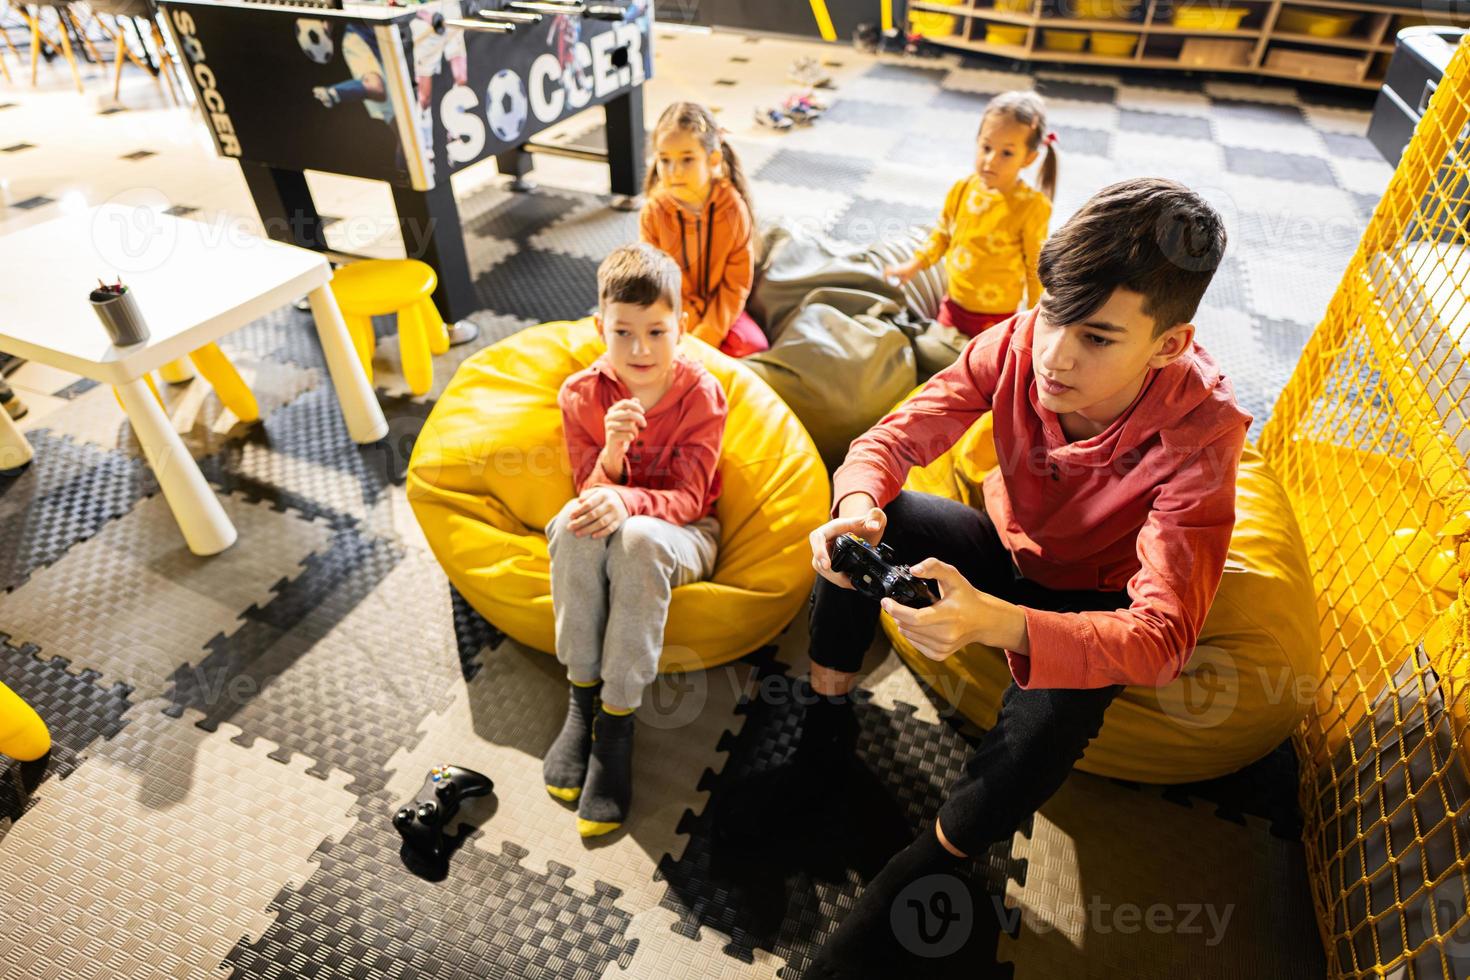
{"x": 609, "y": 787}
{"x": 565, "y": 767}
{"x": 828, "y": 730}
{"x": 899, "y": 927}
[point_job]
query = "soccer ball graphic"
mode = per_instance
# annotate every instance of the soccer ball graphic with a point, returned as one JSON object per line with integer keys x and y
{"x": 315, "y": 38}
{"x": 507, "y": 105}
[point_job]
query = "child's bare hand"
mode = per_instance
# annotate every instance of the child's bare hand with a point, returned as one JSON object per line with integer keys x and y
{"x": 949, "y": 625}
{"x": 900, "y": 274}
{"x": 621, "y": 425}
{"x": 599, "y": 512}
{"x": 867, "y": 526}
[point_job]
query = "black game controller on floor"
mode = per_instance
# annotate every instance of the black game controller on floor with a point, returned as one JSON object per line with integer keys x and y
{"x": 422, "y": 822}
{"x": 874, "y": 574}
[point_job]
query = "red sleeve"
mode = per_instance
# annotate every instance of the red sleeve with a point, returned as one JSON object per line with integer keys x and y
{"x": 584, "y": 445}
{"x": 699, "y": 439}
{"x": 1181, "y": 555}
{"x": 922, "y": 428}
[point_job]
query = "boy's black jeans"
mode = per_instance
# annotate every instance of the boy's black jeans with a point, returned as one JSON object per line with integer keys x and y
{"x": 1039, "y": 734}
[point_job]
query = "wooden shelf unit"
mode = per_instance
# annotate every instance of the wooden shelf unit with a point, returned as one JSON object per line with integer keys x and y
{"x": 1354, "y": 60}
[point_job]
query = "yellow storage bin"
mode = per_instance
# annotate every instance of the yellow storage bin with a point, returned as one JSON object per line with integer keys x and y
{"x": 1104, "y": 9}
{"x": 931, "y": 23}
{"x": 1005, "y": 34}
{"x": 1064, "y": 40}
{"x": 1255, "y": 668}
{"x": 1318, "y": 23}
{"x": 1202, "y": 17}
{"x": 490, "y": 469}
{"x": 1014, "y": 6}
{"x": 1110, "y": 44}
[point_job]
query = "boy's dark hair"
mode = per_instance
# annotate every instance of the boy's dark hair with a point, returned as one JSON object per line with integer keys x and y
{"x": 639, "y": 274}
{"x": 1148, "y": 235}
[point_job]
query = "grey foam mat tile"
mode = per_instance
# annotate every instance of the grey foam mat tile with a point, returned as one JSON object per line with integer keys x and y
{"x": 340, "y": 666}
{"x": 363, "y": 914}
{"x": 68, "y": 493}
{"x": 790, "y": 910}
{"x": 132, "y": 602}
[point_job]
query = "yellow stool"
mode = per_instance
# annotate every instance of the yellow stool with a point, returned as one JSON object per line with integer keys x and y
{"x": 23, "y": 735}
{"x": 377, "y": 287}
{"x": 222, "y": 376}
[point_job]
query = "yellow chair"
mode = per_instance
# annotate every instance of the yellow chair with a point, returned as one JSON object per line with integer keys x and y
{"x": 377, "y": 287}
{"x": 23, "y": 735}
{"x": 222, "y": 376}
{"x": 1256, "y": 665}
{"x": 490, "y": 470}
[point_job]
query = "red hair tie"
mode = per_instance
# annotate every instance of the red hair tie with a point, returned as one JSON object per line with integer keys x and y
{"x": 1050, "y": 139}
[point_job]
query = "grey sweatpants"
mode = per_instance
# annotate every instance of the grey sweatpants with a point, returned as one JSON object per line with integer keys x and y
{"x": 611, "y": 596}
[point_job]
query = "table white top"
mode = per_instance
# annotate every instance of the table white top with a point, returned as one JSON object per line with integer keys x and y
{"x": 193, "y": 281}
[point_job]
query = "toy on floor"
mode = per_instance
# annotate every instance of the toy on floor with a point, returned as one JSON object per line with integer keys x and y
{"x": 809, "y": 72}
{"x": 422, "y": 822}
{"x": 874, "y": 574}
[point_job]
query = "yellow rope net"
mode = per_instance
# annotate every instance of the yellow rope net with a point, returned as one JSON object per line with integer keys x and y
{"x": 1371, "y": 438}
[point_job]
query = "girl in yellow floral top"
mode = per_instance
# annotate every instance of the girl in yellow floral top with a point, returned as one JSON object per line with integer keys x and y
{"x": 994, "y": 222}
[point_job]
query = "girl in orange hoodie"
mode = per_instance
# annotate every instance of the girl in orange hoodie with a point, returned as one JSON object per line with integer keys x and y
{"x": 698, "y": 211}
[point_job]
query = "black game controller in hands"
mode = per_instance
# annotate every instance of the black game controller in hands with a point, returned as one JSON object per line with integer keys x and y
{"x": 874, "y": 574}
{"x": 422, "y": 822}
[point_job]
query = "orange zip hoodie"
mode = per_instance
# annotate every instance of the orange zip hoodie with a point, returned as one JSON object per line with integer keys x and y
{"x": 713, "y": 248}
{"x": 1148, "y": 503}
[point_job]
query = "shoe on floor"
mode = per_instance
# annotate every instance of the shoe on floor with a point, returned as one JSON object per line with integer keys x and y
{"x": 462, "y": 332}
{"x": 773, "y": 118}
{"x": 807, "y": 71}
{"x": 9, "y": 363}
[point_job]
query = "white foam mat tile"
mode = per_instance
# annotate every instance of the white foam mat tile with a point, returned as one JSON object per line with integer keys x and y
{"x": 1362, "y": 176}
{"x": 159, "y": 853}
{"x": 1108, "y": 898}
{"x": 1140, "y": 95}
{"x": 664, "y": 954}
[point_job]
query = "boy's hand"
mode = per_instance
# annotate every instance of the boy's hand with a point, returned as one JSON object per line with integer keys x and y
{"x": 963, "y": 615}
{"x": 599, "y": 512}
{"x": 868, "y": 526}
{"x": 621, "y": 425}
{"x": 901, "y": 273}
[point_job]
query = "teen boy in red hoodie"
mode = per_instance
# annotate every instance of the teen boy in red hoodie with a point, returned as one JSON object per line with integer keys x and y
{"x": 1095, "y": 558}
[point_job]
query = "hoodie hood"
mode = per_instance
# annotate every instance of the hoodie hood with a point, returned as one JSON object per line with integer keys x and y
{"x": 1186, "y": 404}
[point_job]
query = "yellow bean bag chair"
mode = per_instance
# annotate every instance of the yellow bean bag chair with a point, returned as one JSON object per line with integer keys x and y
{"x": 490, "y": 470}
{"x": 1254, "y": 671}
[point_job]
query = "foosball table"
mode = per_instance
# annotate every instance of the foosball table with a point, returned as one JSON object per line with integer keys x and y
{"x": 409, "y": 93}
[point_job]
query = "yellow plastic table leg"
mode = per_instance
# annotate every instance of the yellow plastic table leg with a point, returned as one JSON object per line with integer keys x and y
{"x": 23, "y": 735}
{"x": 413, "y": 349}
{"x": 177, "y": 372}
{"x": 434, "y": 324}
{"x": 363, "y": 339}
{"x": 226, "y": 382}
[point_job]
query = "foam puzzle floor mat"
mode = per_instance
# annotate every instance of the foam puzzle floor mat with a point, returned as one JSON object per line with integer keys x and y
{"x": 233, "y": 733}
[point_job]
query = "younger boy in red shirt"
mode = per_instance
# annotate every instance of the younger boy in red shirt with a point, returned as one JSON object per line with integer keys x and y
{"x": 1096, "y": 555}
{"x": 643, "y": 426}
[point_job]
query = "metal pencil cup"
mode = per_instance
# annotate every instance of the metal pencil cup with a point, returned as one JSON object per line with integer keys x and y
{"x": 121, "y": 316}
